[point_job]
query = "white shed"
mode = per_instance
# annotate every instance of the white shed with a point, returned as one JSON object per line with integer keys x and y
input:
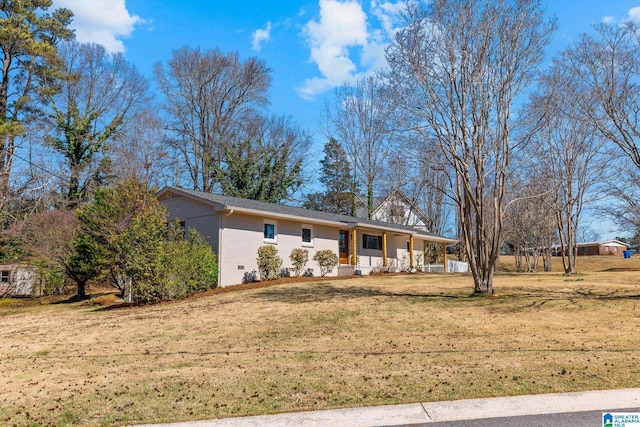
{"x": 19, "y": 280}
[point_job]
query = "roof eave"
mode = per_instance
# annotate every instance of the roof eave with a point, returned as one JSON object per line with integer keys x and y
{"x": 342, "y": 224}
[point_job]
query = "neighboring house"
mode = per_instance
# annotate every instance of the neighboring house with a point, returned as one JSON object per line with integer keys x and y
{"x": 396, "y": 208}
{"x": 19, "y": 280}
{"x": 235, "y": 228}
{"x": 608, "y": 247}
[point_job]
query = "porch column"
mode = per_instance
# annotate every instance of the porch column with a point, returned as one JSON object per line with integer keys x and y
{"x": 411, "y": 263}
{"x": 444, "y": 256}
{"x": 354, "y": 246}
{"x": 384, "y": 248}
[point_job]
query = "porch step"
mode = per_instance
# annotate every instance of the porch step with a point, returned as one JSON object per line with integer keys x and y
{"x": 346, "y": 270}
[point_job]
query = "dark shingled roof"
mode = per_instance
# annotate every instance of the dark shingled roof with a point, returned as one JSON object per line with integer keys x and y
{"x": 230, "y": 202}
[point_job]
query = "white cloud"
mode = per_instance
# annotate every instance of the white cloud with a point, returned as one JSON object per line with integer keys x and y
{"x": 260, "y": 36}
{"x": 342, "y": 25}
{"x": 389, "y": 14}
{"x": 104, "y": 22}
{"x": 343, "y": 43}
{"x": 608, "y": 20}
{"x": 634, "y": 14}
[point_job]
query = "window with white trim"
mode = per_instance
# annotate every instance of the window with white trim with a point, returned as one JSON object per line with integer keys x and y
{"x": 270, "y": 232}
{"x": 307, "y": 235}
{"x": 4, "y": 276}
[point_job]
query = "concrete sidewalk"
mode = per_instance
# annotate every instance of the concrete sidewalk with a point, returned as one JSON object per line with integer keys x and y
{"x": 418, "y": 413}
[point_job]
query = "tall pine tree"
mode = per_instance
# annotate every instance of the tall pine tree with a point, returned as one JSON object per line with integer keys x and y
{"x": 338, "y": 181}
{"x": 29, "y": 33}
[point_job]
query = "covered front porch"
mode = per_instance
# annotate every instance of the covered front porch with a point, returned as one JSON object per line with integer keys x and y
{"x": 363, "y": 250}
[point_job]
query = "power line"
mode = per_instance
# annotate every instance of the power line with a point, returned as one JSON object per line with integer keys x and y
{"x": 65, "y": 179}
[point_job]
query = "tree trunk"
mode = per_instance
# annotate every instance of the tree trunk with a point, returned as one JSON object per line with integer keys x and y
{"x": 518, "y": 257}
{"x": 73, "y": 195}
{"x": 6, "y": 161}
{"x": 546, "y": 259}
{"x": 81, "y": 294}
{"x": 370, "y": 201}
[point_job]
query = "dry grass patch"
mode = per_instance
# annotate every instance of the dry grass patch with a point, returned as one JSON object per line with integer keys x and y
{"x": 317, "y": 345}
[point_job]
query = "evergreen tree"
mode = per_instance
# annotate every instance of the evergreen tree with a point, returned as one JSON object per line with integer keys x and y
{"x": 29, "y": 34}
{"x": 338, "y": 181}
{"x": 123, "y": 236}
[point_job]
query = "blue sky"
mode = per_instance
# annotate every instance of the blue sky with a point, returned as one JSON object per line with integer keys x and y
{"x": 311, "y": 45}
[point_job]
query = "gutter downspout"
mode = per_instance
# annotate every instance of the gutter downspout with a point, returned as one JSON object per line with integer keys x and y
{"x": 220, "y": 228}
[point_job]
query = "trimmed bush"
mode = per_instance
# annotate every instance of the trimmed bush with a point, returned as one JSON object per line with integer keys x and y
{"x": 299, "y": 258}
{"x": 327, "y": 260}
{"x": 269, "y": 262}
{"x": 175, "y": 269}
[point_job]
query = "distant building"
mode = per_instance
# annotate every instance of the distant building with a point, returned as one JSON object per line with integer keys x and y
{"x": 19, "y": 280}
{"x": 607, "y": 247}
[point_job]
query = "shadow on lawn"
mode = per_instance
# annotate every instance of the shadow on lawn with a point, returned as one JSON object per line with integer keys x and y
{"x": 590, "y": 294}
{"x": 319, "y": 292}
{"x": 72, "y": 299}
{"x": 324, "y": 291}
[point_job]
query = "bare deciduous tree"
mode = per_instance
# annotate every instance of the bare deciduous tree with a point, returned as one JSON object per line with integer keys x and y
{"x": 361, "y": 119}
{"x": 625, "y": 206}
{"x": 424, "y": 184}
{"x": 604, "y": 70}
{"x": 530, "y": 226}
{"x": 457, "y": 67}
{"x": 49, "y": 235}
{"x": 568, "y": 153}
{"x": 207, "y": 96}
{"x": 140, "y": 152}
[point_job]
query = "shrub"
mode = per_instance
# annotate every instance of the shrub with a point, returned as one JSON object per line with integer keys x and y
{"x": 176, "y": 270}
{"x": 53, "y": 280}
{"x": 326, "y": 259}
{"x": 124, "y": 236}
{"x": 193, "y": 265}
{"x": 269, "y": 262}
{"x": 299, "y": 258}
{"x": 419, "y": 262}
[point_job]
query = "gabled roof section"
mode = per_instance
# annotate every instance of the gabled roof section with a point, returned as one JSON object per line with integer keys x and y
{"x": 404, "y": 197}
{"x": 256, "y": 207}
{"x": 379, "y": 202}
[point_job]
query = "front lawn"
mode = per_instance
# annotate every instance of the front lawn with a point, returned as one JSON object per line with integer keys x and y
{"x": 319, "y": 345}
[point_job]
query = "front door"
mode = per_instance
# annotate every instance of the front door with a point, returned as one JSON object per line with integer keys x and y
{"x": 343, "y": 246}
